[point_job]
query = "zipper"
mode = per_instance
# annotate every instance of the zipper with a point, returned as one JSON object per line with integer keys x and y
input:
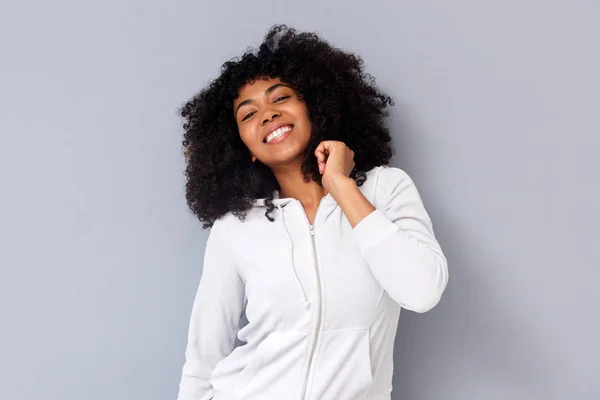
{"x": 311, "y": 227}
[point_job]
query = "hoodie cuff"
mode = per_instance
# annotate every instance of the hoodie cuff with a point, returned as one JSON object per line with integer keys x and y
{"x": 372, "y": 230}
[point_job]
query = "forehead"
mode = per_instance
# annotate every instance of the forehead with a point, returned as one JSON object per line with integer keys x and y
{"x": 255, "y": 88}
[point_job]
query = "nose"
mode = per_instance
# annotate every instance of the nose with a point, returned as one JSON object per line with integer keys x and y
{"x": 269, "y": 116}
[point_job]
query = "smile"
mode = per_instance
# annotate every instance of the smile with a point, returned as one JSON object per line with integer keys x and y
{"x": 279, "y": 134}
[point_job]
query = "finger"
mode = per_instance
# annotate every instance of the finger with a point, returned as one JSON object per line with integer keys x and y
{"x": 321, "y": 146}
{"x": 322, "y": 165}
{"x": 321, "y": 159}
{"x": 319, "y": 154}
{"x": 323, "y": 150}
{"x": 327, "y": 145}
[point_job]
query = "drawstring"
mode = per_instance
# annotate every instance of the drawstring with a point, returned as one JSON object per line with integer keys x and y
{"x": 304, "y": 298}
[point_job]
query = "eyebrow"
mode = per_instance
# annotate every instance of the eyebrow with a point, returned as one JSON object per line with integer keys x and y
{"x": 269, "y": 90}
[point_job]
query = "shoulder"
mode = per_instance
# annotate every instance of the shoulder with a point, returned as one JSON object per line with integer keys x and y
{"x": 385, "y": 175}
{"x": 382, "y": 182}
{"x": 232, "y": 227}
{"x": 225, "y": 223}
{"x": 225, "y": 235}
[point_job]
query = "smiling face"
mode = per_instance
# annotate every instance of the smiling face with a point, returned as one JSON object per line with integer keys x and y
{"x": 273, "y": 122}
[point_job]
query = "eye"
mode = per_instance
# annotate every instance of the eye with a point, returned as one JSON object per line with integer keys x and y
{"x": 248, "y": 115}
{"x": 281, "y": 98}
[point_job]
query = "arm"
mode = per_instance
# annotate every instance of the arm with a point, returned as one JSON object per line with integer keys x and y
{"x": 397, "y": 239}
{"x": 215, "y": 318}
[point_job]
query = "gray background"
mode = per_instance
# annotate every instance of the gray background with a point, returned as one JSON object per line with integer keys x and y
{"x": 496, "y": 120}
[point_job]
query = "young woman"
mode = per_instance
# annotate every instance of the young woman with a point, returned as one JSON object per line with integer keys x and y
{"x": 313, "y": 236}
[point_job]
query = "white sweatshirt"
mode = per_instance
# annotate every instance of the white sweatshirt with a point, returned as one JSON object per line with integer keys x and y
{"x": 322, "y": 301}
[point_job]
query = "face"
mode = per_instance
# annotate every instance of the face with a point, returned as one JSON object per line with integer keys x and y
{"x": 273, "y": 122}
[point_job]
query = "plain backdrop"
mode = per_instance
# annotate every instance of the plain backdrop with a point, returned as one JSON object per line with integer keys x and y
{"x": 496, "y": 119}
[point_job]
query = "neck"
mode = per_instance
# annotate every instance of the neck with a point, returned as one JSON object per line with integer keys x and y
{"x": 292, "y": 185}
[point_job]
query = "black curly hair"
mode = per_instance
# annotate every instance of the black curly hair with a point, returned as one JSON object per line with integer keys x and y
{"x": 343, "y": 104}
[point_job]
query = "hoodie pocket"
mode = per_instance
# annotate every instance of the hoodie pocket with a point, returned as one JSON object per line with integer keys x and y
{"x": 276, "y": 369}
{"x": 254, "y": 364}
{"x": 344, "y": 366}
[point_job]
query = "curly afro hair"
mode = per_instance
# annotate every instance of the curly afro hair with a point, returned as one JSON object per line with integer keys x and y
{"x": 343, "y": 104}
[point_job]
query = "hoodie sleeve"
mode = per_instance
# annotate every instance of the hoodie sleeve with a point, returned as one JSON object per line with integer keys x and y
{"x": 398, "y": 243}
{"x": 215, "y": 318}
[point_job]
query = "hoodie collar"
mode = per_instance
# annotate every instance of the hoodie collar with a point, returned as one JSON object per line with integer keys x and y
{"x": 276, "y": 201}
{"x": 326, "y": 207}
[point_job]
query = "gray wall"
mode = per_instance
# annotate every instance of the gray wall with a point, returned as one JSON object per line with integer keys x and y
{"x": 496, "y": 120}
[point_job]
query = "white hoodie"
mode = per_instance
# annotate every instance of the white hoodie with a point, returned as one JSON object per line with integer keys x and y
{"x": 322, "y": 301}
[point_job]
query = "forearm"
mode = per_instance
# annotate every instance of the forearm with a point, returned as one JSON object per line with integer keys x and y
{"x": 411, "y": 268}
{"x": 397, "y": 241}
{"x": 353, "y": 203}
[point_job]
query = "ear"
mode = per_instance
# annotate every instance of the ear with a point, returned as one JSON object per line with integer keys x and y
{"x": 253, "y": 158}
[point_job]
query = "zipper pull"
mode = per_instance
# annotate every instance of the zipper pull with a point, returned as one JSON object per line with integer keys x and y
{"x": 312, "y": 230}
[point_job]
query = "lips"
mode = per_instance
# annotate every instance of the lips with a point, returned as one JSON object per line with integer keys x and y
{"x": 278, "y": 132}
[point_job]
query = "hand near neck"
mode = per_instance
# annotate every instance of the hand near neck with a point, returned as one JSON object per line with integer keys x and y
{"x": 335, "y": 164}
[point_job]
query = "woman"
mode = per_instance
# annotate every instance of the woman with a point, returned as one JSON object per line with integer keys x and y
{"x": 313, "y": 236}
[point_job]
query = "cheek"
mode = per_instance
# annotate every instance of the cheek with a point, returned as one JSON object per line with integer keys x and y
{"x": 306, "y": 123}
{"x": 247, "y": 137}
{"x": 244, "y": 132}
{"x": 303, "y": 113}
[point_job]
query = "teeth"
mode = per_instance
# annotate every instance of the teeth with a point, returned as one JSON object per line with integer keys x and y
{"x": 278, "y": 132}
